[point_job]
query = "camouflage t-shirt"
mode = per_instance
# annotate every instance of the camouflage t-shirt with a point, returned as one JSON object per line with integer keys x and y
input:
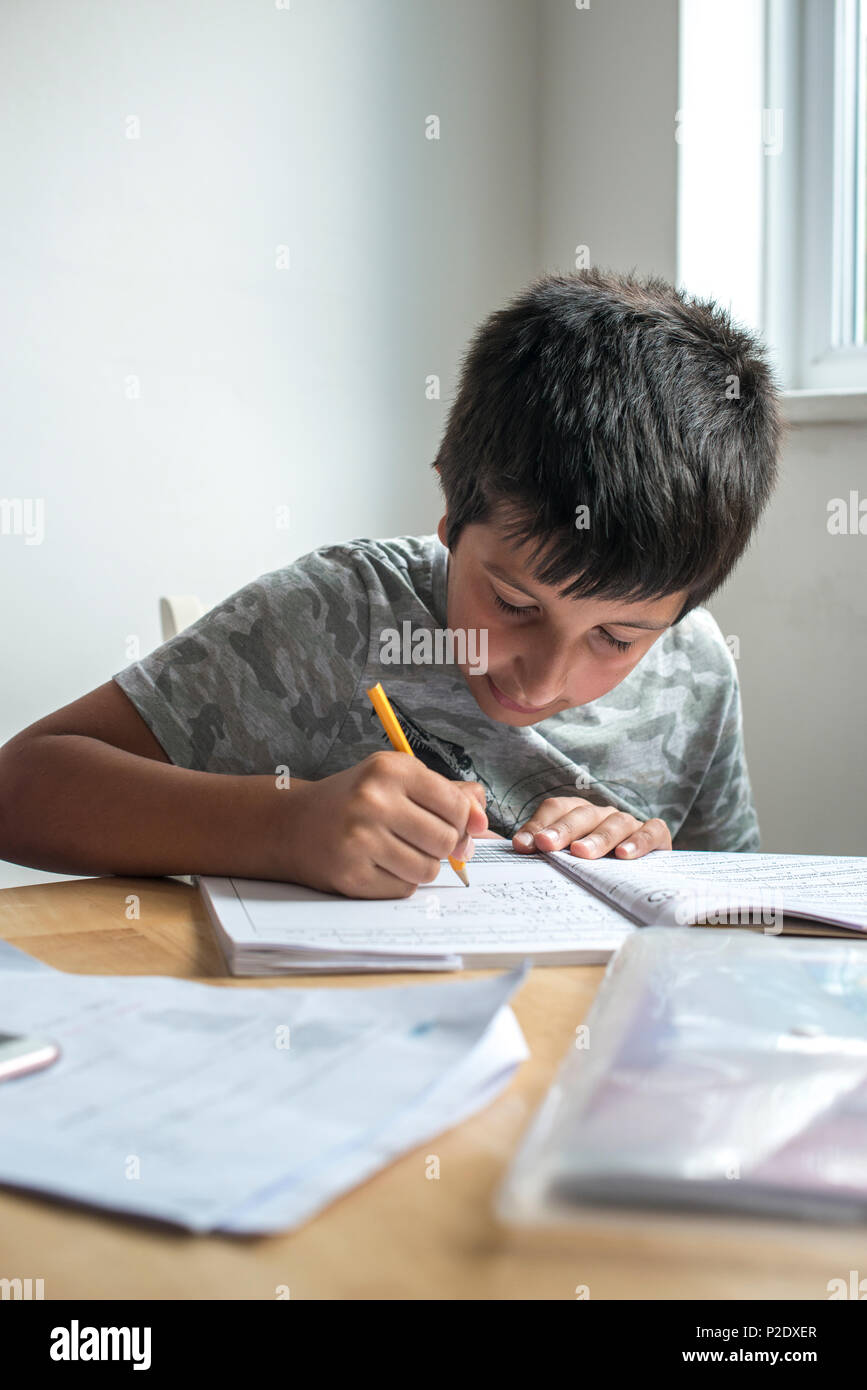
{"x": 276, "y": 676}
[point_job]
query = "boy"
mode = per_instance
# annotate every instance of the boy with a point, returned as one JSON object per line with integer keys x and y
{"x": 609, "y": 453}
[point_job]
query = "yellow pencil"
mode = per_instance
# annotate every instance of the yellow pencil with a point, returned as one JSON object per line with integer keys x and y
{"x": 399, "y": 742}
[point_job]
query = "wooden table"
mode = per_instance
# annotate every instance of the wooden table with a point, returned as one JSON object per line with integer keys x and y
{"x": 399, "y": 1235}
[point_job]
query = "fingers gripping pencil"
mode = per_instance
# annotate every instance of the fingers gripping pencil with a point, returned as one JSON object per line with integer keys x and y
{"x": 400, "y": 744}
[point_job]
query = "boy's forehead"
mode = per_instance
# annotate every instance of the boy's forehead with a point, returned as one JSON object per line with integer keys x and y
{"x": 514, "y": 563}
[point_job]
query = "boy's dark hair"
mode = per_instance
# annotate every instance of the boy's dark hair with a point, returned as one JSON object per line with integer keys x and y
{"x": 651, "y": 408}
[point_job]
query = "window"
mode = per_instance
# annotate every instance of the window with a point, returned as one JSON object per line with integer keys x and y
{"x": 775, "y": 95}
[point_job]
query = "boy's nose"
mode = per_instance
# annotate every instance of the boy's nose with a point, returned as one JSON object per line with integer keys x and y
{"x": 539, "y": 687}
{"x": 542, "y": 672}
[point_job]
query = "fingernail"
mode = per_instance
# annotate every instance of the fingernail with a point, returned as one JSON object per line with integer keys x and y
{"x": 524, "y": 837}
{"x": 589, "y": 841}
{"x": 628, "y": 847}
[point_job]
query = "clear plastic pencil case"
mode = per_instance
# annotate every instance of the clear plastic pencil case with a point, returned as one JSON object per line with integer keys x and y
{"x": 717, "y": 1069}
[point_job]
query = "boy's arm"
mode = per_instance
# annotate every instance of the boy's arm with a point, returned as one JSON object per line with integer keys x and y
{"x": 89, "y": 790}
{"x": 165, "y": 767}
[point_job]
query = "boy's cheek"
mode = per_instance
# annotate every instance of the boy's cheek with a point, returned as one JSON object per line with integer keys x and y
{"x": 487, "y": 650}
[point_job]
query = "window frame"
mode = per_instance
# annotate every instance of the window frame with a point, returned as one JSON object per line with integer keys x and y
{"x": 787, "y": 267}
{"x": 811, "y": 275}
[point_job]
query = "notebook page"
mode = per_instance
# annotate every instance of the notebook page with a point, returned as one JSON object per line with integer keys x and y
{"x": 515, "y": 902}
{"x": 677, "y": 886}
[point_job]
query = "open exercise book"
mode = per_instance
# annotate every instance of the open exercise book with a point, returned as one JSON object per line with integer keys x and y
{"x": 553, "y": 909}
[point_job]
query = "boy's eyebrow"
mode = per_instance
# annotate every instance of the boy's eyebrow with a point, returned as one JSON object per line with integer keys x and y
{"x": 634, "y": 622}
{"x": 507, "y": 579}
{"x": 615, "y": 622}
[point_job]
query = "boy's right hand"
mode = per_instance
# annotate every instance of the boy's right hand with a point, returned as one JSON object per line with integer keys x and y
{"x": 377, "y": 830}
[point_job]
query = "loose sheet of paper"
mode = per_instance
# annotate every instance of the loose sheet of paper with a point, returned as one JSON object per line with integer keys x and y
{"x": 189, "y": 1102}
{"x": 472, "y": 1084}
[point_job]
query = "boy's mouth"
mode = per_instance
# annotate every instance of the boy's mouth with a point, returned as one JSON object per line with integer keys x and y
{"x": 512, "y": 704}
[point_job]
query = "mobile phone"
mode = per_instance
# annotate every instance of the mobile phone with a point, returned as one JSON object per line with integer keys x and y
{"x": 19, "y": 1055}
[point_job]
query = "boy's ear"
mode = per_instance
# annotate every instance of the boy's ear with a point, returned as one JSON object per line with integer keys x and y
{"x": 441, "y": 529}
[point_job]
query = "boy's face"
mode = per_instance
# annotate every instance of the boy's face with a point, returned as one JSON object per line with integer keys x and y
{"x": 553, "y": 654}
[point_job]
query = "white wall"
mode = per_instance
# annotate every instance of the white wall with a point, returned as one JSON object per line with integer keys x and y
{"x": 607, "y": 153}
{"x": 798, "y": 606}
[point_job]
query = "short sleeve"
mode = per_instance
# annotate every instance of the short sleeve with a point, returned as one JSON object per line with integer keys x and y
{"x": 723, "y": 816}
{"x": 265, "y": 679}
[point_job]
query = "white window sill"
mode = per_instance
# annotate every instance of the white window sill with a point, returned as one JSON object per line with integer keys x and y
{"x": 825, "y": 407}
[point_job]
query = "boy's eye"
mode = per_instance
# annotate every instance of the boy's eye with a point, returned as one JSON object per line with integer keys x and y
{"x": 511, "y": 607}
{"x": 615, "y": 642}
{"x": 522, "y": 613}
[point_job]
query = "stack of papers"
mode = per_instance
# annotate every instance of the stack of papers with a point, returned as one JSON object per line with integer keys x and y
{"x": 233, "y": 1109}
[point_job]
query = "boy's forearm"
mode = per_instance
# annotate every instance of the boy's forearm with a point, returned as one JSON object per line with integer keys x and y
{"x": 72, "y": 804}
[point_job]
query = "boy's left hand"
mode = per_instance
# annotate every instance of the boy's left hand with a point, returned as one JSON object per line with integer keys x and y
{"x": 589, "y": 831}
